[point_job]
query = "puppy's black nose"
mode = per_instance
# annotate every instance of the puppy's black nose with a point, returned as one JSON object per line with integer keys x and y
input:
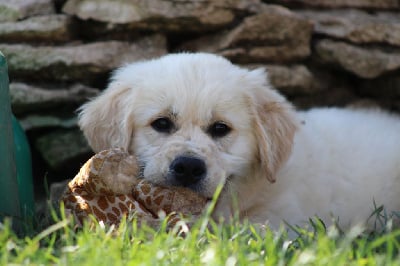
{"x": 187, "y": 170}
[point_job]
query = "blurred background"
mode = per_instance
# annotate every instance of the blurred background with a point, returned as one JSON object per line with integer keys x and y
{"x": 60, "y": 53}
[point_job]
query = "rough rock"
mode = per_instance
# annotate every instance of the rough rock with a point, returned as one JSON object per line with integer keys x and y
{"x": 48, "y": 28}
{"x": 274, "y": 35}
{"x": 13, "y": 10}
{"x": 357, "y": 26}
{"x": 61, "y": 146}
{"x": 334, "y": 96}
{"x": 368, "y": 4}
{"x": 27, "y": 98}
{"x": 78, "y": 62}
{"x": 294, "y": 80}
{"x": 37, "y": 122}
{"x": 363, "y": 62}
{"x": 383, "y": 87}
{"x": 158, "y": 15}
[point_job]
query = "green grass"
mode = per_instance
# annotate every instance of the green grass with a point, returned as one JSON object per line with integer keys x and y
{"x": 230, "y": 244}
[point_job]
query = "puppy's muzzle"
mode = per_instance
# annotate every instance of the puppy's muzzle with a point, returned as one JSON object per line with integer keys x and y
{"x": 187, "y": 171}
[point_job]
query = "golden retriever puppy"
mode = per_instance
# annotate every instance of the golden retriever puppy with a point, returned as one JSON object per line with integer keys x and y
{"x": 196, "y": 120}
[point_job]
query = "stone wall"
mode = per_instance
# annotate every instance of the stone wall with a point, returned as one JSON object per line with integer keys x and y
{"x": 318, "y": 53}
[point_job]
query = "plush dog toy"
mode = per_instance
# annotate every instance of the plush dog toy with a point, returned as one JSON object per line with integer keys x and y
{"x": 107, "y": 187}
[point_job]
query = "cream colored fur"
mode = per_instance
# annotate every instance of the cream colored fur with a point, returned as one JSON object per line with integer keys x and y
{"x": 276, "y": 164}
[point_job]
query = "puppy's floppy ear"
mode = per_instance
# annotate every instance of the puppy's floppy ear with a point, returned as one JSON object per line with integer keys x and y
{"x": 106, "y": 121}
{"x": 274, "y": 125}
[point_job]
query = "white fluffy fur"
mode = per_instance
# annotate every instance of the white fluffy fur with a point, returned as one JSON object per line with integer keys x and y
{"x": 276, "y": 164}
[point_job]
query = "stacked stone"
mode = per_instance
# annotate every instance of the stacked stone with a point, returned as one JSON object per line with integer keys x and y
{"x": 317, "y": 52}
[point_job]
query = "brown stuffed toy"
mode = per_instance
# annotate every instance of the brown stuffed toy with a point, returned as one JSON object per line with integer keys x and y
{"x": 107, "y": 188}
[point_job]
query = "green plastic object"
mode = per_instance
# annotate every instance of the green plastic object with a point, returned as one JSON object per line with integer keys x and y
{"x": 16, "y": 188}
{"x": 23, "y": 163}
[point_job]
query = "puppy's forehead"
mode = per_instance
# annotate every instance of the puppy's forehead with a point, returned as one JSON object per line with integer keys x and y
{"x": 190, "y": 102}
{"x": 192, "y": 86}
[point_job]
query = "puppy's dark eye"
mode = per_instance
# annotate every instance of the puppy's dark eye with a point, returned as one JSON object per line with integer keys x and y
{"x": 163, "y": 125}
{"x": 219, "y": 130}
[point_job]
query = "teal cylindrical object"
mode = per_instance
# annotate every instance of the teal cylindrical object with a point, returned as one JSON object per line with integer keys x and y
{"x": 16, "y": 187}
{"x": 9, "y": 194}
{"x": 23, "y": 163}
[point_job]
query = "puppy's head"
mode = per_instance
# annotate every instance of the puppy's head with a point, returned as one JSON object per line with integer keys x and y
{"x": 193, "y": 120}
